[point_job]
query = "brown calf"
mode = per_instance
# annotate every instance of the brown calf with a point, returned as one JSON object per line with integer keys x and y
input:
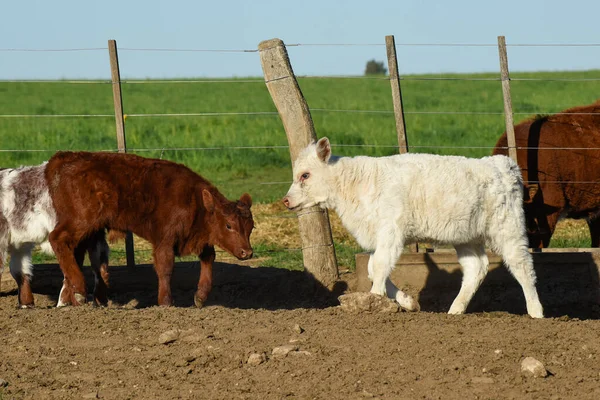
{"x": 559, "y": 157}
{"x": 175, "y": 209}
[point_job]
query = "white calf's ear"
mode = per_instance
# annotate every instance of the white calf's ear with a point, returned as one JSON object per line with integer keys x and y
{"x": 323, "y": 149}
{"x": 207, "y": 198}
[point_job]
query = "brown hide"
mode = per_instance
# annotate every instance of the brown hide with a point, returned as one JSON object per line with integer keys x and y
{"x": 552, "y": 173}
{"x": 175, "y": 209}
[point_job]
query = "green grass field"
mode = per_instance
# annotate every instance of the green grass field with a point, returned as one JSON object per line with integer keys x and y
{"x": 441, "y": 117}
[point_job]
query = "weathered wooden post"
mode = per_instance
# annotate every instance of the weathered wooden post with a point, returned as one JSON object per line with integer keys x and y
{"x": 508, "y": 112}
{"x": 315, "y": 232}
{"x": 390, "y": 45}
{"x": 120, "y": 122}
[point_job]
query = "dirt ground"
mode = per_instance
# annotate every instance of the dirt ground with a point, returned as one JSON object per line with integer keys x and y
{"x": 115, "y": 352}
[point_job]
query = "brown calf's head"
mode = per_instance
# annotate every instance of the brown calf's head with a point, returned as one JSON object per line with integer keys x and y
{"x": 230, "y": 224}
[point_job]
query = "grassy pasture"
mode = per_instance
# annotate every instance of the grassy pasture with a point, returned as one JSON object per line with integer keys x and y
{"x": 442, "y": 116}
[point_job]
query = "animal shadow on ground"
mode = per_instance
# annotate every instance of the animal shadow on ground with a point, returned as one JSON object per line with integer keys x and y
{"x": 234, "y": 286}
{"x": 567, "y": 283}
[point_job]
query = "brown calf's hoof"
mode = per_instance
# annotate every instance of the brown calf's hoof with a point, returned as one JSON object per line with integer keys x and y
{"x": 79, "y": 299}
{"x": 26, "y": 306}
{"x": 165, "y": 302}
{"x": 198, "y": 301}
{"x": 99, "y": 304}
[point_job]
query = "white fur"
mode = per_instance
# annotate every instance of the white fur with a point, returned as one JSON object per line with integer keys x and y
{"x": 22, "y": 232}
{"x": 389, "y": 202}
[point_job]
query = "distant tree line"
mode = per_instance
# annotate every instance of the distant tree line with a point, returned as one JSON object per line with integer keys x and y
{"x": 375, "y": 68}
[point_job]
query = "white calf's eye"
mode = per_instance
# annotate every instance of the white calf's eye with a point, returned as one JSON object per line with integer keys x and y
{"x": 305, "y": 176}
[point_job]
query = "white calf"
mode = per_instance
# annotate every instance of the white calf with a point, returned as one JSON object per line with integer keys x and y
{"x": 26, "y": 218}
{"x": 388, "y": 202}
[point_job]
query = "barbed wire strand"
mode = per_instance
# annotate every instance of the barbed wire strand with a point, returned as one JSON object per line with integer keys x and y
{"x": 274, "y": 113}
{"x": 255, "y": 50}
{"x": 319, "y": 77}
{"x": 278, "y": 147}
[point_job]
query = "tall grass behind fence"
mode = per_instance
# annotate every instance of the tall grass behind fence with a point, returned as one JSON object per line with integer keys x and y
{"x": 229, "y": 131}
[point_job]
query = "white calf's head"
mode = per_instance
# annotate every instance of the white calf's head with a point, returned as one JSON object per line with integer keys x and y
{"x": 311, "y": 176}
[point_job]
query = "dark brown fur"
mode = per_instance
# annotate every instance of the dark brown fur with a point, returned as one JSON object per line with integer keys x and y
{"x": 547, "y": 200}
{"x": 175, "y": 209}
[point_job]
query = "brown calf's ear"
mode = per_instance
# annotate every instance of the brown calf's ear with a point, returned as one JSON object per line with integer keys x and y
{"x": 246, "y": 199}
{"x": 323, "y": 149}
{"x": 207, "y": 199}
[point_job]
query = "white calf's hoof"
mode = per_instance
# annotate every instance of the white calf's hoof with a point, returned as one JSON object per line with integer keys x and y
{"x": 408, "y": 303}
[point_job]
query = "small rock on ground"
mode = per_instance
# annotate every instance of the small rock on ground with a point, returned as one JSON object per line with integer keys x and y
{"x": 168, "y": 336}
{"x": 298, "y": 329}
{"x": 532, "y": 367}
{"x": 3, "y": 383}
{"x": 283, "y": 351}
{"x": 256, "y": 358}
{"x": 362, "y": 301}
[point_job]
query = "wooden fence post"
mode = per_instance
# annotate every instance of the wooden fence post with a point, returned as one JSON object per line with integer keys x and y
{"x": 120, "y": 122}
{"x": 508, "y": 112}
{"x": 315, "y": 232}
{"x": 390, "y": 46}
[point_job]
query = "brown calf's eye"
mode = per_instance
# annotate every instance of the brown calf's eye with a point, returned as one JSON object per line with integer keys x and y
{"x": 228, "y": 226}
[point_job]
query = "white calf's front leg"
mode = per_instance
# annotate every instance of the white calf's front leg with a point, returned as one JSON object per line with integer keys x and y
{"x": 381, "y": 263}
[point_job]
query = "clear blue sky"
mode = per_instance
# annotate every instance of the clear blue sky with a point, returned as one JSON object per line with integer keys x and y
{"x": 236, "y": 24}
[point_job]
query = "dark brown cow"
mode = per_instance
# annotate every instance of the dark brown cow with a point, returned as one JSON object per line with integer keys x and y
{"x": 561, "y": 182}
{"x": 175, "y": 209}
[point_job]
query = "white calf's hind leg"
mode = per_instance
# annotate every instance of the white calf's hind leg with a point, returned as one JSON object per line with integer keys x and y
{"x": 520, "y": 263}
{"x": 474, "y": 264}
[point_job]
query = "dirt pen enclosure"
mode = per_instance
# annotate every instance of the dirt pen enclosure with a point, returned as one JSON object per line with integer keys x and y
{"x": 269, "y": 333}
{"x": 272, "y": 333}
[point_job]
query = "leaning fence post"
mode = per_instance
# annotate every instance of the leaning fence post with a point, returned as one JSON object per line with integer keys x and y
{"x": 120, "y": 122}
{"x": 508, "y": 112}
{"x": 315, "y": 232}
{"x": 390, "y": 46}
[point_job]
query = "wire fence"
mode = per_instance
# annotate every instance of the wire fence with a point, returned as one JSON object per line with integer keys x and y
{"x": 269, "y": 113}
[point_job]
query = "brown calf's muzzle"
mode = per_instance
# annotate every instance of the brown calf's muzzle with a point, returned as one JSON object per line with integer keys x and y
{"x": 245, "y": 254}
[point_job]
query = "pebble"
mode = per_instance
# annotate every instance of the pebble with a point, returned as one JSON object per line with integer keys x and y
{"x": 93, "y": 395}
{"x": 168, "y": 336}
{"x": 298, "y": 329}
{"x": 3, "y": 383}
{"x": 283, "y": 351}
{"x": 532, "y": 367}
{"x": 256, "y": 358}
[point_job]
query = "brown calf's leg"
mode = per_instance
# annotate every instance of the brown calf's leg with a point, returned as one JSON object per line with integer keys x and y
{"x": 66, "y": 292}
{"x": 207, "y": 257}
{"x": 594, "y": 225}
{"x": 164, "y": 260}
{"x": 98, "y": 251}
{"x": 64, "y": 243}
